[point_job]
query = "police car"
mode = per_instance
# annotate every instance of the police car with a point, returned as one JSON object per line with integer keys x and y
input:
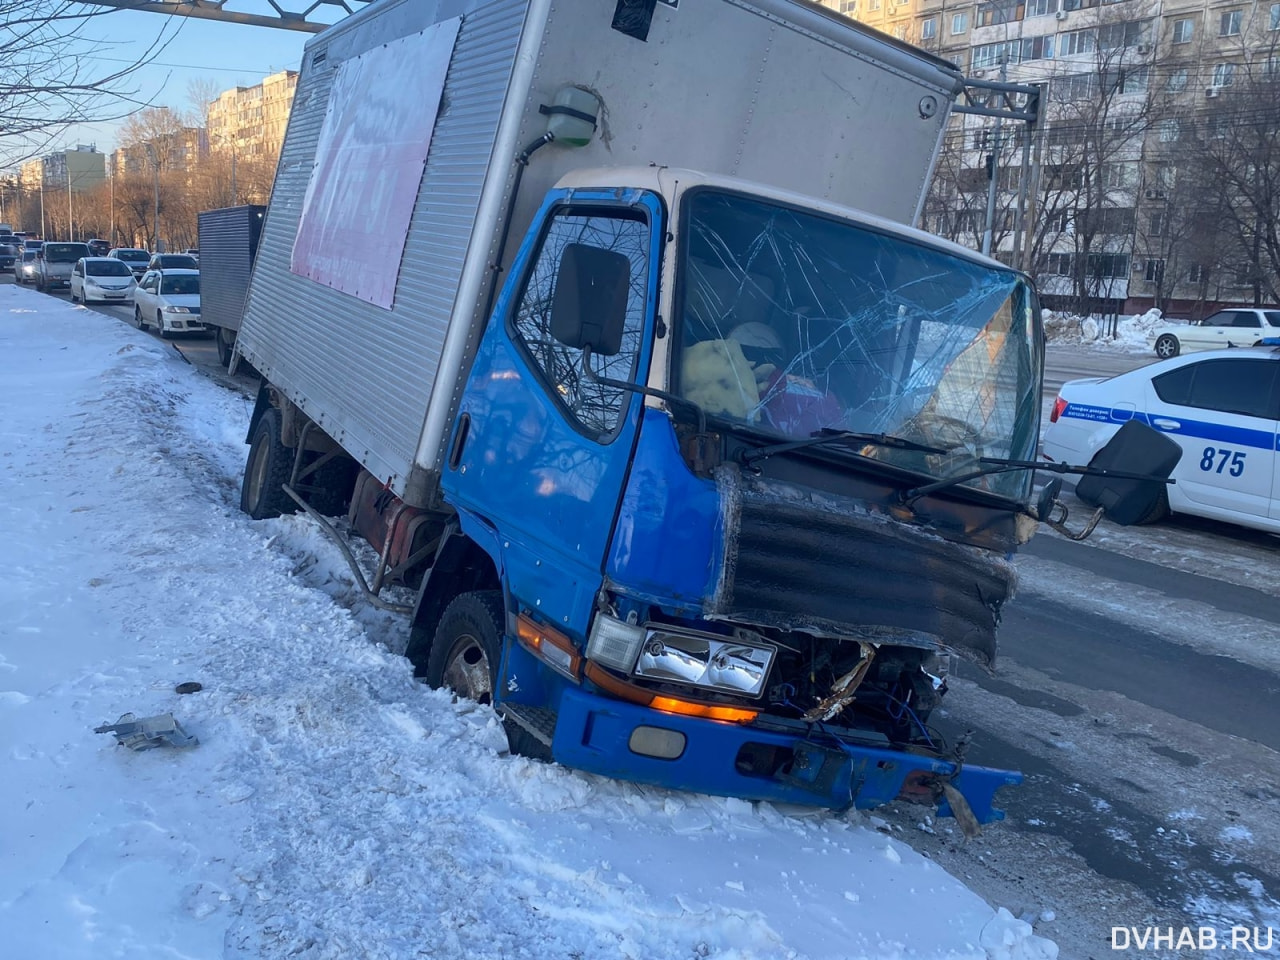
{"x": 1223, "y": 409}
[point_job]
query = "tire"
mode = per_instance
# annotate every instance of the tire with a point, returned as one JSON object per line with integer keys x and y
{"x": 1167, "y": 346}
{"x": 266, "y": 470}
{"x": 331, "y": 487}
{"x": 137, "y": 318}
{"x": 224, "y": 346}
{"x": 164, "y": 334}
{"x": 465, "y": 654}
{"x": 1158, "y": 511}
{"x": 73, "y": 296}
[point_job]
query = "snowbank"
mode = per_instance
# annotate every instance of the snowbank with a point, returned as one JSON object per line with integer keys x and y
{"x": 1133, "y": 333}
{"x": 333, "y": 807}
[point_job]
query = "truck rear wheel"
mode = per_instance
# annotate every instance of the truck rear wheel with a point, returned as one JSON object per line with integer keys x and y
{"x": 224, "y": 341}
{"x": 266, "y": 471}
{"x": 465, "y": 654}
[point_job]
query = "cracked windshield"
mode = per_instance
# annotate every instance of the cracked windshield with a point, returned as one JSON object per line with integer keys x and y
{"x": 795, "y": 324}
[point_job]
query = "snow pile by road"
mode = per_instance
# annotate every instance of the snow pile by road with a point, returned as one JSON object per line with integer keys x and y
{"x": 1131, "y": 333}
{"x": 333, "y": 807}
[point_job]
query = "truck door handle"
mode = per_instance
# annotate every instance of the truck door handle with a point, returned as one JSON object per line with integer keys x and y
{"x": 459, "y": 441}
{"x": 1166, "y": 424}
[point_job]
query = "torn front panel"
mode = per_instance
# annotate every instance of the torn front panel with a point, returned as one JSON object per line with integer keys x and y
{"x": 810, "y": 562}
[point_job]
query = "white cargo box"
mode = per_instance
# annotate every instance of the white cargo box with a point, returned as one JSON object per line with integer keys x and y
{"x": 367, "y": 319}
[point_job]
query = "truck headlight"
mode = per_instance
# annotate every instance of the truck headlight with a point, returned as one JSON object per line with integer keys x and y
{"x": 705, "y": 660}
{"x": 614, "y": 642}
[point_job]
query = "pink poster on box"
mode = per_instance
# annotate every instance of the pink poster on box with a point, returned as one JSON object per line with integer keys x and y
{"x": 369, "y": 162}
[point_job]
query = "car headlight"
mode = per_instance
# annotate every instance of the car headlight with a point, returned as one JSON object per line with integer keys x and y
{"x": 705, "y": 660}
{"x": 172, "y": 309}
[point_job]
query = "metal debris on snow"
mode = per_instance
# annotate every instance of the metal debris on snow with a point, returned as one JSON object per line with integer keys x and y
{"x": 148, "y": 732}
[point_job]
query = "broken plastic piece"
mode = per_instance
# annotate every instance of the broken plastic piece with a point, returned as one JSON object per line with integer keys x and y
{"x": 148, "y": 732}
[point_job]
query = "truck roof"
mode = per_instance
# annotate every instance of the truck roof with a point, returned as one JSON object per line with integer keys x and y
{"x": 661, "y": 180}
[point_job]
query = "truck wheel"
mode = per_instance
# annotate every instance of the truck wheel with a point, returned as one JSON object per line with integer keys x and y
{"x": 465, "y": 655}
{"x": 224, "y": 342}
{"x": 268, "y": 468}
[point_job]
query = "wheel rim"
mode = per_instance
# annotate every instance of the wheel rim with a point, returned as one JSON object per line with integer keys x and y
{"x": 1164, "y": 347}
{"x": 466, "y": 670}
{"x": 258, "y": 474}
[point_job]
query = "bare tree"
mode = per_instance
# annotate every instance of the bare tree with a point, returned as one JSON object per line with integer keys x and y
{"x": 49, "y": 84}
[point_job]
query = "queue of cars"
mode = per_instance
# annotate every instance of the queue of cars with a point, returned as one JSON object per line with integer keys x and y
{"x": 162, "y": 288}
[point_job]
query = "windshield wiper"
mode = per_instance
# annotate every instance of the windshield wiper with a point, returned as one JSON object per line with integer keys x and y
{"x": 750, "y": 455}
{"x": 994, "y": 465}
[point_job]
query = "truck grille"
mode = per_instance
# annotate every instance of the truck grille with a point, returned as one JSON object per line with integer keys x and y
{"x": 806, "y": 561}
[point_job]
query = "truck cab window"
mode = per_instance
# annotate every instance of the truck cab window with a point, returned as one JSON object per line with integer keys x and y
{"x": 596, "y": 408}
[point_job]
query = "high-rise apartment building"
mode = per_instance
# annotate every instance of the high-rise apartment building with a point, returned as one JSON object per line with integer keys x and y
{"x": 250, "y": 121}
{"x": 1136, "y": 197}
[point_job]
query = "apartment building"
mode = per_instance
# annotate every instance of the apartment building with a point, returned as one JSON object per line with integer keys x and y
{"x": 1136, "y": 94}
{"x": 250, "y": 121}
{"x": 79, "y": 168}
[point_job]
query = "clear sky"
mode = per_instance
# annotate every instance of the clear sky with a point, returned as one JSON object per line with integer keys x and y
{"x": 227, "y": 54}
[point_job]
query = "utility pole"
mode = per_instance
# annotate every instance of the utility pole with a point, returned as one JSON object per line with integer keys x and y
{"x": 993, "y": 168}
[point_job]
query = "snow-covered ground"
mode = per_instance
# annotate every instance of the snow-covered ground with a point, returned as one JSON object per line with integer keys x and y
{"x": 1131, "y": 335}
{"x": 333, "y": 807}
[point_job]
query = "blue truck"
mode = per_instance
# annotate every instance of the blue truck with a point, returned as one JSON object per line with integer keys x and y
{"x": 608, "y": 328}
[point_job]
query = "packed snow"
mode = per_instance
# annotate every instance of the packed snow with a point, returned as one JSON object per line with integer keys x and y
{"x": 333, "y": 806}
{"x": 1132, "y": 334}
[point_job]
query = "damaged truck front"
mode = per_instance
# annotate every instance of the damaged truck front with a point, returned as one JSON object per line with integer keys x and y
{"x": 683, "y": 440}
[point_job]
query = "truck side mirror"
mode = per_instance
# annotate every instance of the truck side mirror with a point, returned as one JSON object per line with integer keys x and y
{"x": 1136, "y": 448}
{"x": 589, "y": 306}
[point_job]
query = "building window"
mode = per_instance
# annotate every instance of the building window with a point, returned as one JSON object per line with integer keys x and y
{"x": 1000, "y": 11}
{"x": 1275, "y": 16}
{"x": 1170, "y": 130}
{"x": 1224, "y": 74}
{"x": 873, "y": 4}
{"x": 1041, "y": 8}
{"x": 849, "y": 7}
{"x": 929, "y": 28}
{"x": 1157, "y": 225}
{"x": 959, "y": 23}
{"x": 1153, "y": 271}
{"x": 1229, "y": 25}
{"x": 1108, "y": 265}
{"x": 1120, "y": 175}
{"x": 1079, "y": 41}
{"x": 1177, "y": 80}
{"x": 900, "y": 31}
{"x": 1198, "y": 273}
{"x": 1183, "y": 30}
{"x": 1060, "y": 264}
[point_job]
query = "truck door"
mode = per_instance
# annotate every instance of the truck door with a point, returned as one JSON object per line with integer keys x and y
{"x": 540, "y": 454}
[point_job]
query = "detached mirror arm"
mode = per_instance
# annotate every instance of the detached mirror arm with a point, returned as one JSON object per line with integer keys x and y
{"x": 670, "y": 398}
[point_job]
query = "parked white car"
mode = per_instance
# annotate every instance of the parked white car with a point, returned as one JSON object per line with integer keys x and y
{"x": 101, "y": 280}
{"x": 1222, "y": 408}
{"x": 1237, "y": 327}
{"x": 169, "y": 300}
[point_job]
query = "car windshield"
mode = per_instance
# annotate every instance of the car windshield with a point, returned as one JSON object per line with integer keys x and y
{"x": 794, "y": 324}
{"x": 7, "y": 250}
{"x": 64, "y": 252}
{"x": 181, "y": 284}
{"x": 133, "y": 256}
{"x": 29, "y": 256}
{"x": 107, "y": 268}
{"x": 176, "y": 261}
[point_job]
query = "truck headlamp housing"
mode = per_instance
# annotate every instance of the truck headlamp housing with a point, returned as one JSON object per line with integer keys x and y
{"x": 726, "y": 664}
{"x": 614, "y": 643}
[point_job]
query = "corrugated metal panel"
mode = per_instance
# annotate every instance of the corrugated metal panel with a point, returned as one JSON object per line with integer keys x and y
{"x": 228, "y": 239}
{"x": 363, "y": 373}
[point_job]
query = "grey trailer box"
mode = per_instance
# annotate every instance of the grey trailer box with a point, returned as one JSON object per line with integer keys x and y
{"x": 375, "y": 348}
{"x": 228, "y": 244}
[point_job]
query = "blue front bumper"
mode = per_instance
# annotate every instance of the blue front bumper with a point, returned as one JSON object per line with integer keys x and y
{"x": 593, "y": 733}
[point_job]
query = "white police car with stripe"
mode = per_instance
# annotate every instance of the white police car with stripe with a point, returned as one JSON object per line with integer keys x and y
{"x": 1223, "y": 409}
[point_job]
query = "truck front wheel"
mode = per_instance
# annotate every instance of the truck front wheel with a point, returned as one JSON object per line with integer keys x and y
{"x": 268, "y": 468}
{"x": 465, "y": 654}
{"x": 224, "y": 341}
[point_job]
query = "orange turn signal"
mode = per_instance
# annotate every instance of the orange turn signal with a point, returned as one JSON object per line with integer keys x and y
{"x": 689, "y": 708}
{"x": 550, "y": 646}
